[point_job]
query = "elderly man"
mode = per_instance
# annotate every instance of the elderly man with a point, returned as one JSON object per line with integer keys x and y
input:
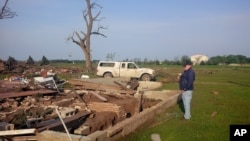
{"x": 186, "y": 84}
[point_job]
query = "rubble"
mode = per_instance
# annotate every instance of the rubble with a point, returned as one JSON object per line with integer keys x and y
{"x": 29, "y": 106}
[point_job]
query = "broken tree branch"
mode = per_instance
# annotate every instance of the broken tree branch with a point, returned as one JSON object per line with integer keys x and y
{"x": 6, "y": 12}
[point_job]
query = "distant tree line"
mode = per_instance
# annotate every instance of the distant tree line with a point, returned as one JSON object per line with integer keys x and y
{"x": 229, "y": 59}
{"x": 216, "y": 60}
{"x": 11, "y": 62}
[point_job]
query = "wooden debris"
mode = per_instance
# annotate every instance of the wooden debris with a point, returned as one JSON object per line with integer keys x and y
{"x": 24, "y": 138}
{"x": 83, "y": 130}
{"x": 17, "y": 132}
{"x": 27, "y": 93}
{"x": 31, "y": 108}
{"x": 99, "y": 96}
{"x": 87, "y": 85}
{"x": 122, "y": 86}
{"x": 58, "y": 123}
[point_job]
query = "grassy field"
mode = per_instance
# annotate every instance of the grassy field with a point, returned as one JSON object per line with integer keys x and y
{"x": 221, "y": 98}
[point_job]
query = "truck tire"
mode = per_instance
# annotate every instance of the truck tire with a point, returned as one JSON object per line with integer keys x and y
{"x": 107, "y": 75}
{"x": 145, "y": 77}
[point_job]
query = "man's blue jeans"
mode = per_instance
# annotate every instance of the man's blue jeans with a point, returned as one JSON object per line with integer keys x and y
{"x": 186, "y": 98}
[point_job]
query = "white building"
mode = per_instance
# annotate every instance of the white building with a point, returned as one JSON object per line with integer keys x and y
{"x": 197, "y": 59}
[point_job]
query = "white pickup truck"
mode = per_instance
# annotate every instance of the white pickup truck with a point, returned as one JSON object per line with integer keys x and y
{"x": 109, "y": 69}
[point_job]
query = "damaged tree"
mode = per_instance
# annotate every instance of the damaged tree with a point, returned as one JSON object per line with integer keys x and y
{"x": 83, "y": 39}
{"x": 6, "y": 11}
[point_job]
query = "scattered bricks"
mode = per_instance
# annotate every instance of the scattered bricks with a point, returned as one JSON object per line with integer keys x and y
{"x": 67, "y": 112}
{"x": 5, "y": 105}
{"x": 6, "y": 126}
{"x": 83, "y": 130}
{"x": 102, "y": 106}
{"x": 2, "y": 116}
{"x": 14, "y": 105}
{"x": 46, "y": 102}
{"x": 79, "y": 106}
{"x": 64, "y": 102}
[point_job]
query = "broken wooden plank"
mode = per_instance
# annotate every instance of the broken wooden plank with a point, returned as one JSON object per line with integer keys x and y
{"x": 27, "y": 93}
{"x": 99, "y": 96}
{"x": 92, "y": 85}
{"x": 18, "y": 132}
{"x": 115, "y": 131}
{"x": 100, "y": 87}
{"x": 24, "y": 138}
{"x": 119, "y": 84}
{"x": 45, "y": 123}
{"x": 58, "y": 123}
{"x": 83, "y": 130}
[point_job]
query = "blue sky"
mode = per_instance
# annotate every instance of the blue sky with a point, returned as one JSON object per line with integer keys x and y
{"x": 160, "y": 29}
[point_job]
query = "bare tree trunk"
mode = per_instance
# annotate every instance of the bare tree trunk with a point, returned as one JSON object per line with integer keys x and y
{"x": 84, "y": 39}
{"x": 89, "y": 23}
{"x": 88, "y": 63}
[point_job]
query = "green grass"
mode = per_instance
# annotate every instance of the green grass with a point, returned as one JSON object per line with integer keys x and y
{"x": 219, "y": 100}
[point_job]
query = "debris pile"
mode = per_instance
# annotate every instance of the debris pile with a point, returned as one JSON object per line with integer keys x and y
{"x": 32, "y": 106}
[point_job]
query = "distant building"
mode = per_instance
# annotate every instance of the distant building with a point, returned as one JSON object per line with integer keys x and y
{"x": 197, "y": 59}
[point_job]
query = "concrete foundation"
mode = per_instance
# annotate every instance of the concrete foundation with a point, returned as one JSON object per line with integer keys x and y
{"x": 169, "y": 98}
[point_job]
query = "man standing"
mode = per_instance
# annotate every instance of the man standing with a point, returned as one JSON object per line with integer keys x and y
{"x": 186, "y": 84}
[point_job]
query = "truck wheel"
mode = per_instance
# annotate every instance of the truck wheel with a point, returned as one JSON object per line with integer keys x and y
{"x": 108, "y": 75}
{"x": 146, "y": 77}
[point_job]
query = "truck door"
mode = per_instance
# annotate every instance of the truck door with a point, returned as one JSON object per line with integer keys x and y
{"x": 128, "y": 70}
{"x": 123, "y": 69}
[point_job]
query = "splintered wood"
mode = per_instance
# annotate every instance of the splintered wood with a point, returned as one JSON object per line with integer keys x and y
{"x": 87, "y": 85}
{"x": 85, "y": 107}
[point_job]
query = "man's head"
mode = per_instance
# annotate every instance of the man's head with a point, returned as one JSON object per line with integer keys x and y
{"x": 187, "y": 65}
